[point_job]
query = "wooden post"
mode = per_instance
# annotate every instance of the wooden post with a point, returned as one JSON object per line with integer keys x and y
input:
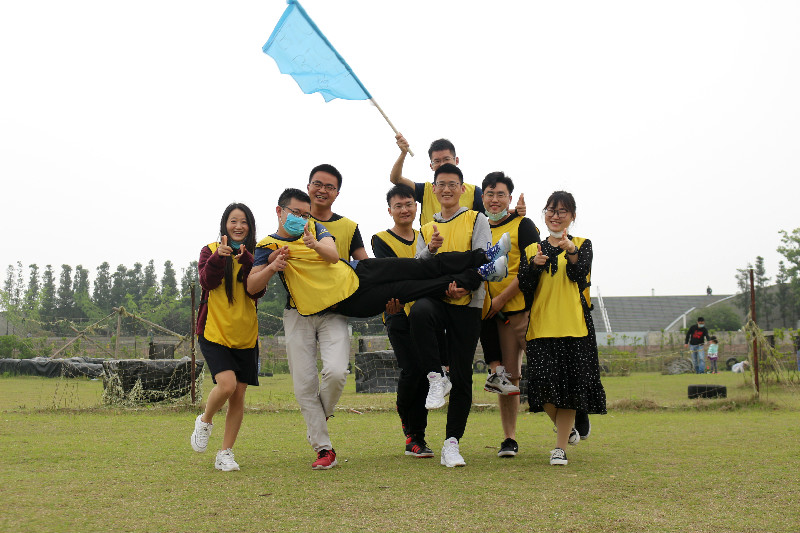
{"x": 755, "y": 338}
{"x": 119, "y": 323}
{"x": 191, "y": 287}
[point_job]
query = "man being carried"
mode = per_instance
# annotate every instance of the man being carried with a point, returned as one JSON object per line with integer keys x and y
{"x": 319, "y": 283}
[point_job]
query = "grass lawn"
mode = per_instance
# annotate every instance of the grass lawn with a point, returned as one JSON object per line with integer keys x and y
{"x": 657, "y": 462}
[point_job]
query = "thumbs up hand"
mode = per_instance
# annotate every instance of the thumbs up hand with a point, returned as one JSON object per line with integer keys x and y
{"x": 436, "y": 240}
{"x": 223, "y": 249}
{"x": 539, "y": 259}
{"x": 521, "y": 209}
{"x": 309, "y": 240}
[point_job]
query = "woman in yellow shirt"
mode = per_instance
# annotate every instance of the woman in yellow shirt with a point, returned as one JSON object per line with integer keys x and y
{"x": 227, "y": 328}
{"x": 563, "y": 369}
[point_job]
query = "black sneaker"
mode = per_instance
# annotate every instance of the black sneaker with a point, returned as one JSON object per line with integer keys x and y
{"x": 418, "y": 448}
{"x": 508, "y": 448}
{"x": 582, "y": 424}
{"x": 558, "y": 457}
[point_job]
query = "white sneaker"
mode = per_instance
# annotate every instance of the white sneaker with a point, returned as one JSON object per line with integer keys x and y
{"x": 450, "y": 454}
{"x": 574, "y": 437}
{"x": 498, "y": 382}
{"x": 225, "y": 461}
{"x": 437, "y": 384}
{"x": 448, "y": 385}
{"x": 502, "y": 247}
{"x": 558, "y": 457}
{"x": 202, "y": 431}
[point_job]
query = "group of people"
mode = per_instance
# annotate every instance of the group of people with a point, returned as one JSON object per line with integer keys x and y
{"x": 477, "y": 269}
{"x": 696, "y": 337}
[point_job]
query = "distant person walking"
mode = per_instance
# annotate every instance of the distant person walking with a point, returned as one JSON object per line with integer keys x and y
{"x": 696, "y": 340}
{"x": 227, "y": 328}
{"x": 563, "y": 367}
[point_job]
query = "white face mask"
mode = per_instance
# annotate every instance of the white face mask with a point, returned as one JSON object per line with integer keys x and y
{"x": 494, "y": 217}
{"x": 557, "y": 234}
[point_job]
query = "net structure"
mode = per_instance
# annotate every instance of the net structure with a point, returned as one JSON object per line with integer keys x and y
{"x": 136, "y": 381}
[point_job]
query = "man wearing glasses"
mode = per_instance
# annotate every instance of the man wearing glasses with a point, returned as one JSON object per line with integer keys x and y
{"x": 441, "y": 152}
{"x": 454, "y": 228}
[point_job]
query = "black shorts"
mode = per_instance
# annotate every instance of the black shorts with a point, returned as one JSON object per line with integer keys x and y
{"x": 243, "y": 362}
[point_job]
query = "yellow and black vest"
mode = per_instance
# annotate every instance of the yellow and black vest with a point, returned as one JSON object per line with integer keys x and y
{"x": 234, "y": 325}
{"x": 493, "y": 288}
{"x": 400, "y": 249}
{"x": 313, "y": 284}
{"x": 343, "y": 229}
{"x": 557, "y": 309}
{"x": 430, "y": 204}
{"x": 457, "y": 235}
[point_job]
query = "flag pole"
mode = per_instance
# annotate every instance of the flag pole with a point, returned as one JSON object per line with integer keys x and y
{"x": 389, "y": 121}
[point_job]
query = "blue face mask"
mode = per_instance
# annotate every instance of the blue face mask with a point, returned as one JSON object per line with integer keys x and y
{"x": 494, "y": 217}
{"x": 235, "y": 245}
{"x": 294, "y": 225}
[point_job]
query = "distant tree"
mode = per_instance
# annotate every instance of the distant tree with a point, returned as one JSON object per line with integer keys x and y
{"x": 118, "y": 289}
{"x": 718, "y": 317}
{"x": 790, "y": 249}
{"x": 65, "y": 300}
{"x": 743, "y": 284}
{"x": 786, "y": 305}
{"x": 102, "y": 288}
{"x": 150, "y": 279}
{"x": 169, "y": 285}
{"x": 84, "y": 308}
{"x": 47, "y": 299}
{"x": 763, "y": 296}
{"x": 31, "y": 304}
{"x": 19, "y": 286}
{"x": 189, "y": 275}
{"x": 134, "y": 280}
{"x": 9, "y": 289}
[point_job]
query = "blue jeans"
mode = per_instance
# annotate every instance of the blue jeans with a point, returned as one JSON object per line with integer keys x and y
{"x": 698, "y": 358}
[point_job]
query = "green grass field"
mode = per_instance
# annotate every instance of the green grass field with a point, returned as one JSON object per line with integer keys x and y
{"x": 657, "y": 462}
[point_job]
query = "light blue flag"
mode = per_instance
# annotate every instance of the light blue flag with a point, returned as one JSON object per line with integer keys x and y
{"x": 303, "y": 52}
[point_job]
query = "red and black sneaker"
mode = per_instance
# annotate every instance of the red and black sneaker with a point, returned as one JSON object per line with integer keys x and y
{"x": 418, "y": 448}
{"x": 325, "y": 459}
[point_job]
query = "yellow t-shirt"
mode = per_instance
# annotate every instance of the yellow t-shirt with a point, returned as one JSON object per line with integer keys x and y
{"x": 313, "y": 283}
{"x": 457, "y": 235}
{"x": 557, "y": 310}
{"x": 234, "y": 325}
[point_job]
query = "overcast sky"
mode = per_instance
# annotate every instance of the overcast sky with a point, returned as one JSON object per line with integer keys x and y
{"x": 127, "y": 127}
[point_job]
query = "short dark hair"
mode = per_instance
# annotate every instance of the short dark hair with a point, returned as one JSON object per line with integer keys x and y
{"x": 449, "y": 168}
{"x": 441, "y": 144}
{"x": 330, "y": 169}
{"x": 493, "y": 178}
{"x": 288, "y": 194}
{"x": 402, "y": 190}
{"x": 701, "y": 319}
{"x": 564, "y": 198}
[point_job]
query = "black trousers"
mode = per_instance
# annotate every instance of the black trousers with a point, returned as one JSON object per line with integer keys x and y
{"x": 381, "y": 280}
{"x": 462, "y": 325}
{"x": 412, "y": 386}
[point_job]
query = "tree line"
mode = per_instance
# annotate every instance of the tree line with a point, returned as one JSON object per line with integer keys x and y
{"x": 778, "y": 303}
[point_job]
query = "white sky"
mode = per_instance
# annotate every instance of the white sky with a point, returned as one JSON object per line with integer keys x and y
{"x": 127, "y": 127}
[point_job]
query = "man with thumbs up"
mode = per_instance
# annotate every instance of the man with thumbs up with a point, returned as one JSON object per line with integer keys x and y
{"x": 454, "y": 228}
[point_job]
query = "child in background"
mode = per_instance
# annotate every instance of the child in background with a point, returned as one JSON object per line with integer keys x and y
{"x": 713, "y": 355}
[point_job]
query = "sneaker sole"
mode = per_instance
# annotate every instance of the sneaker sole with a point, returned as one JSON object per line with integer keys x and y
{"x": 498, "y": 391}
{"x": 430, "y": 407}
{"x": 453, "y": 465}
{"x": 320, "y": 467}
{"x": 558, "y": 462}
{"x": 226, "y": 469}
{"x": 421, "y": 455}
{"x": 508, "y": 453}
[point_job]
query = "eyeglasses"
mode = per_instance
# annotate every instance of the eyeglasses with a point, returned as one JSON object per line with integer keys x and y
{"x": 550, "y": 212}
{"x": 452, "y": 185}
{"x": 498, "y": 195}
{"x": 297, "y": 212}
{"x": 442, "y": 161}
{"x": 327, "y": 186}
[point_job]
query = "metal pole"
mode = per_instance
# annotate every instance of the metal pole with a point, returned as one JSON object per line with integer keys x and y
{"x": 755, "y": 339}
{"x": 191, "y": 288}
